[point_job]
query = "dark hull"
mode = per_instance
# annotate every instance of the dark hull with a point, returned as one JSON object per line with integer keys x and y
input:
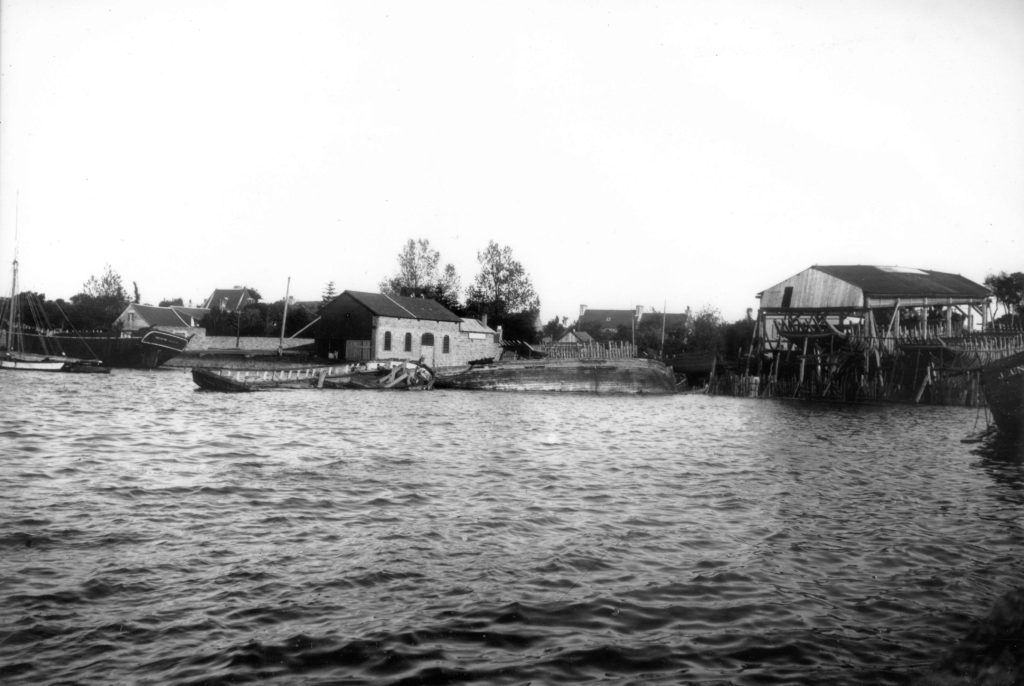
{"x": 144, "y": 352}
{"x": 1004, "y": 391}
{"x": 629, "y": 376}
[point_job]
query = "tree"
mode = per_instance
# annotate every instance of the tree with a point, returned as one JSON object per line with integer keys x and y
{"x": 137, "y": 299}
{"x": 330, "y": 292}
{"x": 1008, "y": 290}
{"x": 418, "y": 275}
{"x": 707, "y": 334}
{"x": 101, "y": 301}
{"x": 504, "y": 293}
{"x": 555, "y": 328}
{"x": 172, "y": 302}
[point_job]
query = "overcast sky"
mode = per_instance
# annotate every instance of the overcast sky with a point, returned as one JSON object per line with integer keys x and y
{"x": 651, "y": 153}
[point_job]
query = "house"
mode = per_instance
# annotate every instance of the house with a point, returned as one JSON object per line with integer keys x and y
{"x": 358, "y": 326}
{"x": 176, "y": 319}
{"x": 575, "y": 338}
{"x": 230, "y": 299}
{"x": 609, "y": 322}
{"x": 879, "y": 302}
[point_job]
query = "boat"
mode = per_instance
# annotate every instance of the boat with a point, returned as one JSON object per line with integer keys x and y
{"x": 148, "y": 350}
{"x": 15, "y": 357}
{"x": 601, "y": 376}
{"x": 384, "y": 374}
{"x": 1003, "y": 384}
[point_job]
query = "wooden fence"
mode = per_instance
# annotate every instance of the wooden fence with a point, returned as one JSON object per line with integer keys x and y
{"x": 611, "y": 350}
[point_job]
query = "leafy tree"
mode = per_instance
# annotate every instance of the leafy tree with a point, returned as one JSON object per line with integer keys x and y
{"x": 503, "y": 291}
{"x": 707, "y": 331}
{"x": 555, "y": 328}
{"x": 1008, "y": 290}
{"x": 418, "y": 275}
{"x": 101, "y": 301}
{"x": 173, "y": 302}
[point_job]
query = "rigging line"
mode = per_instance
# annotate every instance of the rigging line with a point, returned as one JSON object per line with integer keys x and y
{"x": 75, "y": 331}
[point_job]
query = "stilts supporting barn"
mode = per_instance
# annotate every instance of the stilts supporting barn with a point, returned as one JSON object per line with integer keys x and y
{"x": 858, "y": 332}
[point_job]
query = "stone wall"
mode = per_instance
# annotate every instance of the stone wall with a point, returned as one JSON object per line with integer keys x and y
{"x": 203, "y": 342}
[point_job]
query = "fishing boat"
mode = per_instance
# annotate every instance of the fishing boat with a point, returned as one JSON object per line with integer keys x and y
{"x": 14, "y": 356}
{"x": 601, "y": 376}
{"x": 1003, "y": 384}
{"x": 385, "y": 374}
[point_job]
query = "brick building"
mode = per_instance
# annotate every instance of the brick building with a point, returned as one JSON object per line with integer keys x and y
{"x": 358, "y": 326}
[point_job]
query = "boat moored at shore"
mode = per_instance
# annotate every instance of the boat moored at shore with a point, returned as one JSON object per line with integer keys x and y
{"x": 1003, "y": 384}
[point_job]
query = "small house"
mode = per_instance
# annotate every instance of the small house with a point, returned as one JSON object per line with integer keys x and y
{"x": 176, "y": 319}
{"x": 229, "y": 299}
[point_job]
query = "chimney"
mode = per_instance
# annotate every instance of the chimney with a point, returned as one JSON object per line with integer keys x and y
{"x": 583, "y": 310}
{"x": 483, "y": 319}
{"x": 639, "y": 311}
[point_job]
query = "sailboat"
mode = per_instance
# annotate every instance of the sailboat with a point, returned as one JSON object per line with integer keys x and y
{"x": 15, "y": 357}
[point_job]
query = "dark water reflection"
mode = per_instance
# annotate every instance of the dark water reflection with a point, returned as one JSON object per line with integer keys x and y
{"x": 151, "y": 533}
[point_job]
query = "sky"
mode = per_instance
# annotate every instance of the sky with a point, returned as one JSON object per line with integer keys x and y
{"x": 663, "y": 154}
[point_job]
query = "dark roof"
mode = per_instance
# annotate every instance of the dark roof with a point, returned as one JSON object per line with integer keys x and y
{"x": 196, "y": 313}
{"x": 160, "y": 316}
{"x": 401, "y": 307}
{"x": 231, "y": 297}
{"x": 671, "y": 320}
{"x": 607, "y": 319}
{"x": 899, "y": 281}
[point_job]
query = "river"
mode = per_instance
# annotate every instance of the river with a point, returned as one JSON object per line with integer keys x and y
{"x": 153, "y": 533}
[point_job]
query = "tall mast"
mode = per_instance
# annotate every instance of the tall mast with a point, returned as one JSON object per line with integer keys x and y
{"x": 284, "y": 317}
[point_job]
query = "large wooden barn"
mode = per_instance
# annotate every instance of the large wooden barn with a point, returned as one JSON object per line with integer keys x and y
{"x": 358, "y": 326}
{"x": 882, "y": 304}
{"x": 868, "y": 332}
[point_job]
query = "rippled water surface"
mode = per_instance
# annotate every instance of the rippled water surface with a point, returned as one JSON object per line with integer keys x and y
{"x": 151, "y": 533}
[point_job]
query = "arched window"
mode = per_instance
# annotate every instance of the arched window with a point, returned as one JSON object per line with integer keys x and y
{"x": 387, "y": 340}
{"x": 427, "y": 339}
{"x": 446, "y": 344}
{"x": 408, "y": 342}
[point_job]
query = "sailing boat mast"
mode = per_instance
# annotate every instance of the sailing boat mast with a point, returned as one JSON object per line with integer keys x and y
{"x": 284, "y": 317}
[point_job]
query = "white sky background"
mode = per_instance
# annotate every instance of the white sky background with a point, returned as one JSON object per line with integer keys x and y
{"x": 679, "y": 153}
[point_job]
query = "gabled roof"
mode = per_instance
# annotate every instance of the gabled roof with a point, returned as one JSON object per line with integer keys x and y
{"x": 195, "y": 313}
{"x": 401, "y": 307}
{"x": 232, "y": 298}
{"x": 903, "y": 281}
{"x": 160, "y": 316}
{"x": 607, "y": 319}
{"x": 470, "y": 325}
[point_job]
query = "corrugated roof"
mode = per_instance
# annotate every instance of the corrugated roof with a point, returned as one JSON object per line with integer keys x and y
{"x": 905, "y": 282}
{"x": 401, "y": 307}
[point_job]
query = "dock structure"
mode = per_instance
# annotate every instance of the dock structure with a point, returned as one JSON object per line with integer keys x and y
{"x": 858, "y": 332}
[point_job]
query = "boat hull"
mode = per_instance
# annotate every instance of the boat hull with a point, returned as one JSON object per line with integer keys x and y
{"x": 385, "y": 375}
{"x": 148, "y": 351}
{"x": 1003, "y": 383}
{"x": 45, "y": 365}
{"x": 625, "y": 376}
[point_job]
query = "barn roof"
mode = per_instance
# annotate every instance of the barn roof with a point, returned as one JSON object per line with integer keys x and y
{"x": 402, "y": 307}
{"x": 470, "y": 325}
{"x": 902, "y": 281}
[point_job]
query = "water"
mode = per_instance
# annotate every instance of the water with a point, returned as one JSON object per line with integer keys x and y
{"x": 151, "y": 533}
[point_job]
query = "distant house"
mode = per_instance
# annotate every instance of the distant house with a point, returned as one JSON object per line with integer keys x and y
{"x": 229, "y": 299}
{"x": 575, "y": 337}
{"x": 176, "y": 319}
{"x": 608, "y": 322}
{"x": 882, "y": 302}
{"x": 359, "y": 326}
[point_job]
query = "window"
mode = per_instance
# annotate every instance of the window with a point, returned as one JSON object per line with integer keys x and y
{"x": 787, "y": 296}
{"x": 387, "y": 340}
{"x": 408, "y": 342}
{"x": 446, "y": 345}
{"x": 427, "y": 339}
